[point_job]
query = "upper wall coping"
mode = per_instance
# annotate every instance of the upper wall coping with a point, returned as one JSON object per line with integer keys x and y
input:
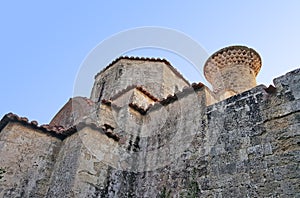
{"x": 54, "y": 131}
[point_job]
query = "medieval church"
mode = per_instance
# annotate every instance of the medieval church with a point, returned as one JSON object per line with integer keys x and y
{"x": 146, "y": 131}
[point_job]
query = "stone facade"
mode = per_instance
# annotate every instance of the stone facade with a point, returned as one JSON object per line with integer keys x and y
{"x": 161, "y": 137}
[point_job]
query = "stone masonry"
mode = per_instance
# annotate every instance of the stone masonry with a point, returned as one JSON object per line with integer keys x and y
{"x": 147, "y": 132}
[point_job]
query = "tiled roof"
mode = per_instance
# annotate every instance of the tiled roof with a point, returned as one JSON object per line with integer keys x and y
{"x": 185, "y": 90}
{"x": 144, "y": 91}
{"x": 56, "y": 131}
{"x": 80, "y": 106}
{"x": 144, "y": 59}
{"x": 138, "y": 108}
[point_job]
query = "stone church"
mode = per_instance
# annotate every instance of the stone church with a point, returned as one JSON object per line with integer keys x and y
{"x": 146, "y": 131}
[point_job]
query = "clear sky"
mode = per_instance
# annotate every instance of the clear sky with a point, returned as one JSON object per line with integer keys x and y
{"x": 43, "y": 43}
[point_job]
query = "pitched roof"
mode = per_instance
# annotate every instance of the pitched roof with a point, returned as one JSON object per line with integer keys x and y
{"x": 79, "y": 106}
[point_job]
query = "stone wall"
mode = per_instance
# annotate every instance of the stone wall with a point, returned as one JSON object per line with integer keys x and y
{"x": 245, "y": 146}
{"x": 28, "y": 157}
{"x": 153, "y": 153}
{"x": 255, "y": 143}
{"x": 80, "y": 170}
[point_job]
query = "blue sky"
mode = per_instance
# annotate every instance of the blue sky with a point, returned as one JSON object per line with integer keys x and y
{"x": 44, "y": 43}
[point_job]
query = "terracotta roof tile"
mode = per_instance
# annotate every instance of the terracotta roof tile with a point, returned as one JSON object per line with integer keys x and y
{"x": 172, "y": 98}
{"x": 144, "y": 91}
{"x": 138, "y": 108}
{"x": 56, "y": 131}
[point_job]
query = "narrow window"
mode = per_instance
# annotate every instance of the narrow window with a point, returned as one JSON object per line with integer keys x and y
{"x": 101, "y": 91}
{"x": 119, "y": 72}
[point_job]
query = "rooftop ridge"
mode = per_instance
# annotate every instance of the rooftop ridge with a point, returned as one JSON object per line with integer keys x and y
{"x": 138, "y": 87}
{"x": 144, "y": 91}
{"x": 55, "y": 131}
{"x": 143, "y": 59}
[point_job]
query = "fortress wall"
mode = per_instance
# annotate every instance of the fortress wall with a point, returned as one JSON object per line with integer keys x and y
{"x": 158, "y": 151}
{"x": 255, "y": 143}
{"x": 247, "y": 145}
{"x": 80, "y": 170}
{"x": 65, "y": 170}
{"x": 175, "y": 120}
{"x": 28, "y": 156}
{"x": 231, "y": 127}
{"x": 83, "y": 165}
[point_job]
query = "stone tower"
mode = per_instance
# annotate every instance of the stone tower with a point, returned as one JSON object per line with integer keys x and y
{"x": 155, "y": 75}
{"x": 232, "y": 70}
